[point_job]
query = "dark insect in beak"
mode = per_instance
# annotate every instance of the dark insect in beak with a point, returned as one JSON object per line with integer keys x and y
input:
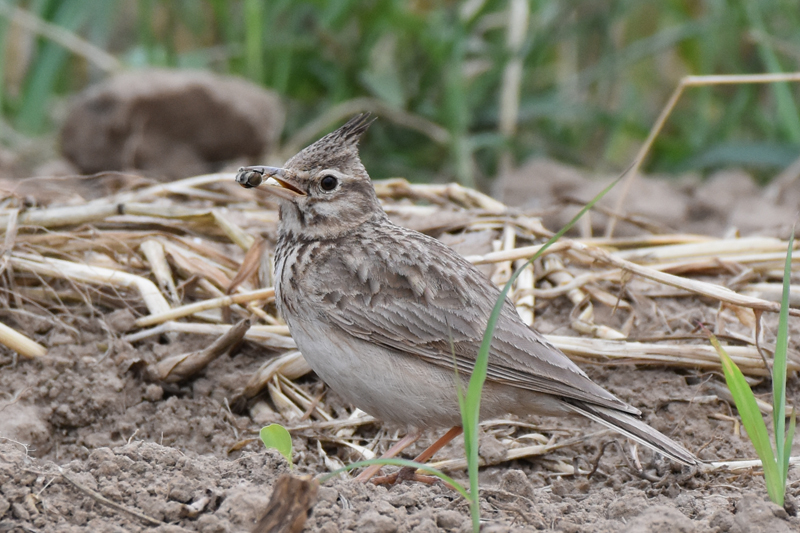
{"x": 249, "y": 177}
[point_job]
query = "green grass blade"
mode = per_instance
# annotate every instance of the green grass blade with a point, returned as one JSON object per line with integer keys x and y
{"x": 275, "y": 436}
{"x": 787, "y": 110}
{"x": 254, "y": 39}
{"x": 471, "y": 411}
{"x": 779, "y": 366}
{"x": 40, "y": 84}
{"x": 752, "y": 420}
{"x": 400, "y": 462}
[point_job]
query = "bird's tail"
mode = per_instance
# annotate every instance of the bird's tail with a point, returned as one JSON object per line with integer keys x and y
{"x": 635, "y": 429}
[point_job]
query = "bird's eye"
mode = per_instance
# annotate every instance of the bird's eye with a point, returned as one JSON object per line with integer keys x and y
{"x": 328, "y": 183}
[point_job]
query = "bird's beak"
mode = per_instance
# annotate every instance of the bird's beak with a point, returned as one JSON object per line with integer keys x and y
{"x": 249, "y": 177}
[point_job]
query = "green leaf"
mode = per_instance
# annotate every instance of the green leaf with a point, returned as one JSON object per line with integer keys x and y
{"x": 779, "y": 368}
{"x": 253, "y": 39}
{"x": 275, "y": 436}
{"x": 49, "y": 63}
{"x": 752, "y": 420}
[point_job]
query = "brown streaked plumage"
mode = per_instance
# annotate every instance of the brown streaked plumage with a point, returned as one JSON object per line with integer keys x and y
{"x": 381, "y": 312}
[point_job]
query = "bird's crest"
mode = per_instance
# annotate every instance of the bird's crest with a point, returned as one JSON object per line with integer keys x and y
{"x": 336, "y": 148}
{"x": 350, "y": 133}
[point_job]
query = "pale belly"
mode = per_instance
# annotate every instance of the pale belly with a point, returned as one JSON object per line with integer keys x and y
{"x": 400, "y": 388}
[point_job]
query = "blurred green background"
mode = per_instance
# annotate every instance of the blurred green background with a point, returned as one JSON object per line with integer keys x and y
{"x": 486, "y": 83}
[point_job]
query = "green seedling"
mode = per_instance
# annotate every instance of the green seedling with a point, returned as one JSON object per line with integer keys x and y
{"x": 276, "y": 437}
{"x": 775, "y": 462}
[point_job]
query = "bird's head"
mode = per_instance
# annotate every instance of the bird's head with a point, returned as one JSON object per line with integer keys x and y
{"x": 324, "y": 190}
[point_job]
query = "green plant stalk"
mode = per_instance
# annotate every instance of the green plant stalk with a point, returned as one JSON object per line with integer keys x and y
{"x": 5, "y": 23}
{"x": 782, "y": 448}
{"x": 254, "y": 39}
{"x": 40, "y": 84}
{"x": 753, "y": 422}
{"x": 776, "y": 465}
{"x": 456, "y": 107}
{"x": 400, "y": 462}
{"x": 470, "y": 412}
{"x": 787, "y": 110}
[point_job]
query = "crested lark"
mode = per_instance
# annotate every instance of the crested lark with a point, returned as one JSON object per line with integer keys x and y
{"x": 378, "y": 310}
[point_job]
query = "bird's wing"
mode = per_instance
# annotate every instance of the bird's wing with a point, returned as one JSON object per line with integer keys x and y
{"x": 412, "y": 293}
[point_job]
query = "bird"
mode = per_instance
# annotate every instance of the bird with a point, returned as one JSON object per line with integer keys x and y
{"x": 391, "y": 319}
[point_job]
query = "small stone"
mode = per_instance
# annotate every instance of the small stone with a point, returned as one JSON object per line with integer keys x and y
{"x": 328, "y": 527}
{"x": 172, "y": 511}
{"x": 153, "y": 392}
{"x": 426, "y": 526}
{"x": 209, "y": 523}
{"x": 449, "y": 519}
{"x": 660, "y": 519}
{"x": 111, "y": 492}
{"x": 19, "y": 511}
{"x": 756, "y": 515}
{"x": 180, "y": 492}
{"x": 626, "y": 507}
{"x": 327, "y": 494}
{"x": 403, "y": 500}
{"x": 374, "y": 522}
{"x": 724, "y": 522}
{"x": 121, "y": 321}
{"x": 492, "y": 450}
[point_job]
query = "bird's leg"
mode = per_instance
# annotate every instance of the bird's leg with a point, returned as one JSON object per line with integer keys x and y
{"x": 410, "y": 472}
{"x": 398, "y": 447}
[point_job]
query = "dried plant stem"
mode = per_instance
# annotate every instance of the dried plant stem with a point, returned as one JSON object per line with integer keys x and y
{"x": 687, "y": 81}
{"x": 694, "y": 355}
{"x": 20, "y": 343}
{"x": 722, "y": 248}
{"x": 54, "y": 217}
{"x": 234, "y": 232}
{"x": 154, "y": 252}
{"x": 184, "y": 187}
{"x": 58, "y": 268}
{"x": 524, "y": 252}
{"x": 105, "y": 501}
{"x": 737, "y": 466}
{"x": 698, "y": 287}
{"x": 275, "y": 337}
{"x": 214, "y": 303}
{"x": 179, "y": 367}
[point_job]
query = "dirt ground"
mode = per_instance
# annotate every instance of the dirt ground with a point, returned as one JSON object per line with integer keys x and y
{"x": 80, "y": 428}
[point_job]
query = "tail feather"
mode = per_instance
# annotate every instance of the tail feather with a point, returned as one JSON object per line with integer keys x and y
{"x": 635, "y": 429}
